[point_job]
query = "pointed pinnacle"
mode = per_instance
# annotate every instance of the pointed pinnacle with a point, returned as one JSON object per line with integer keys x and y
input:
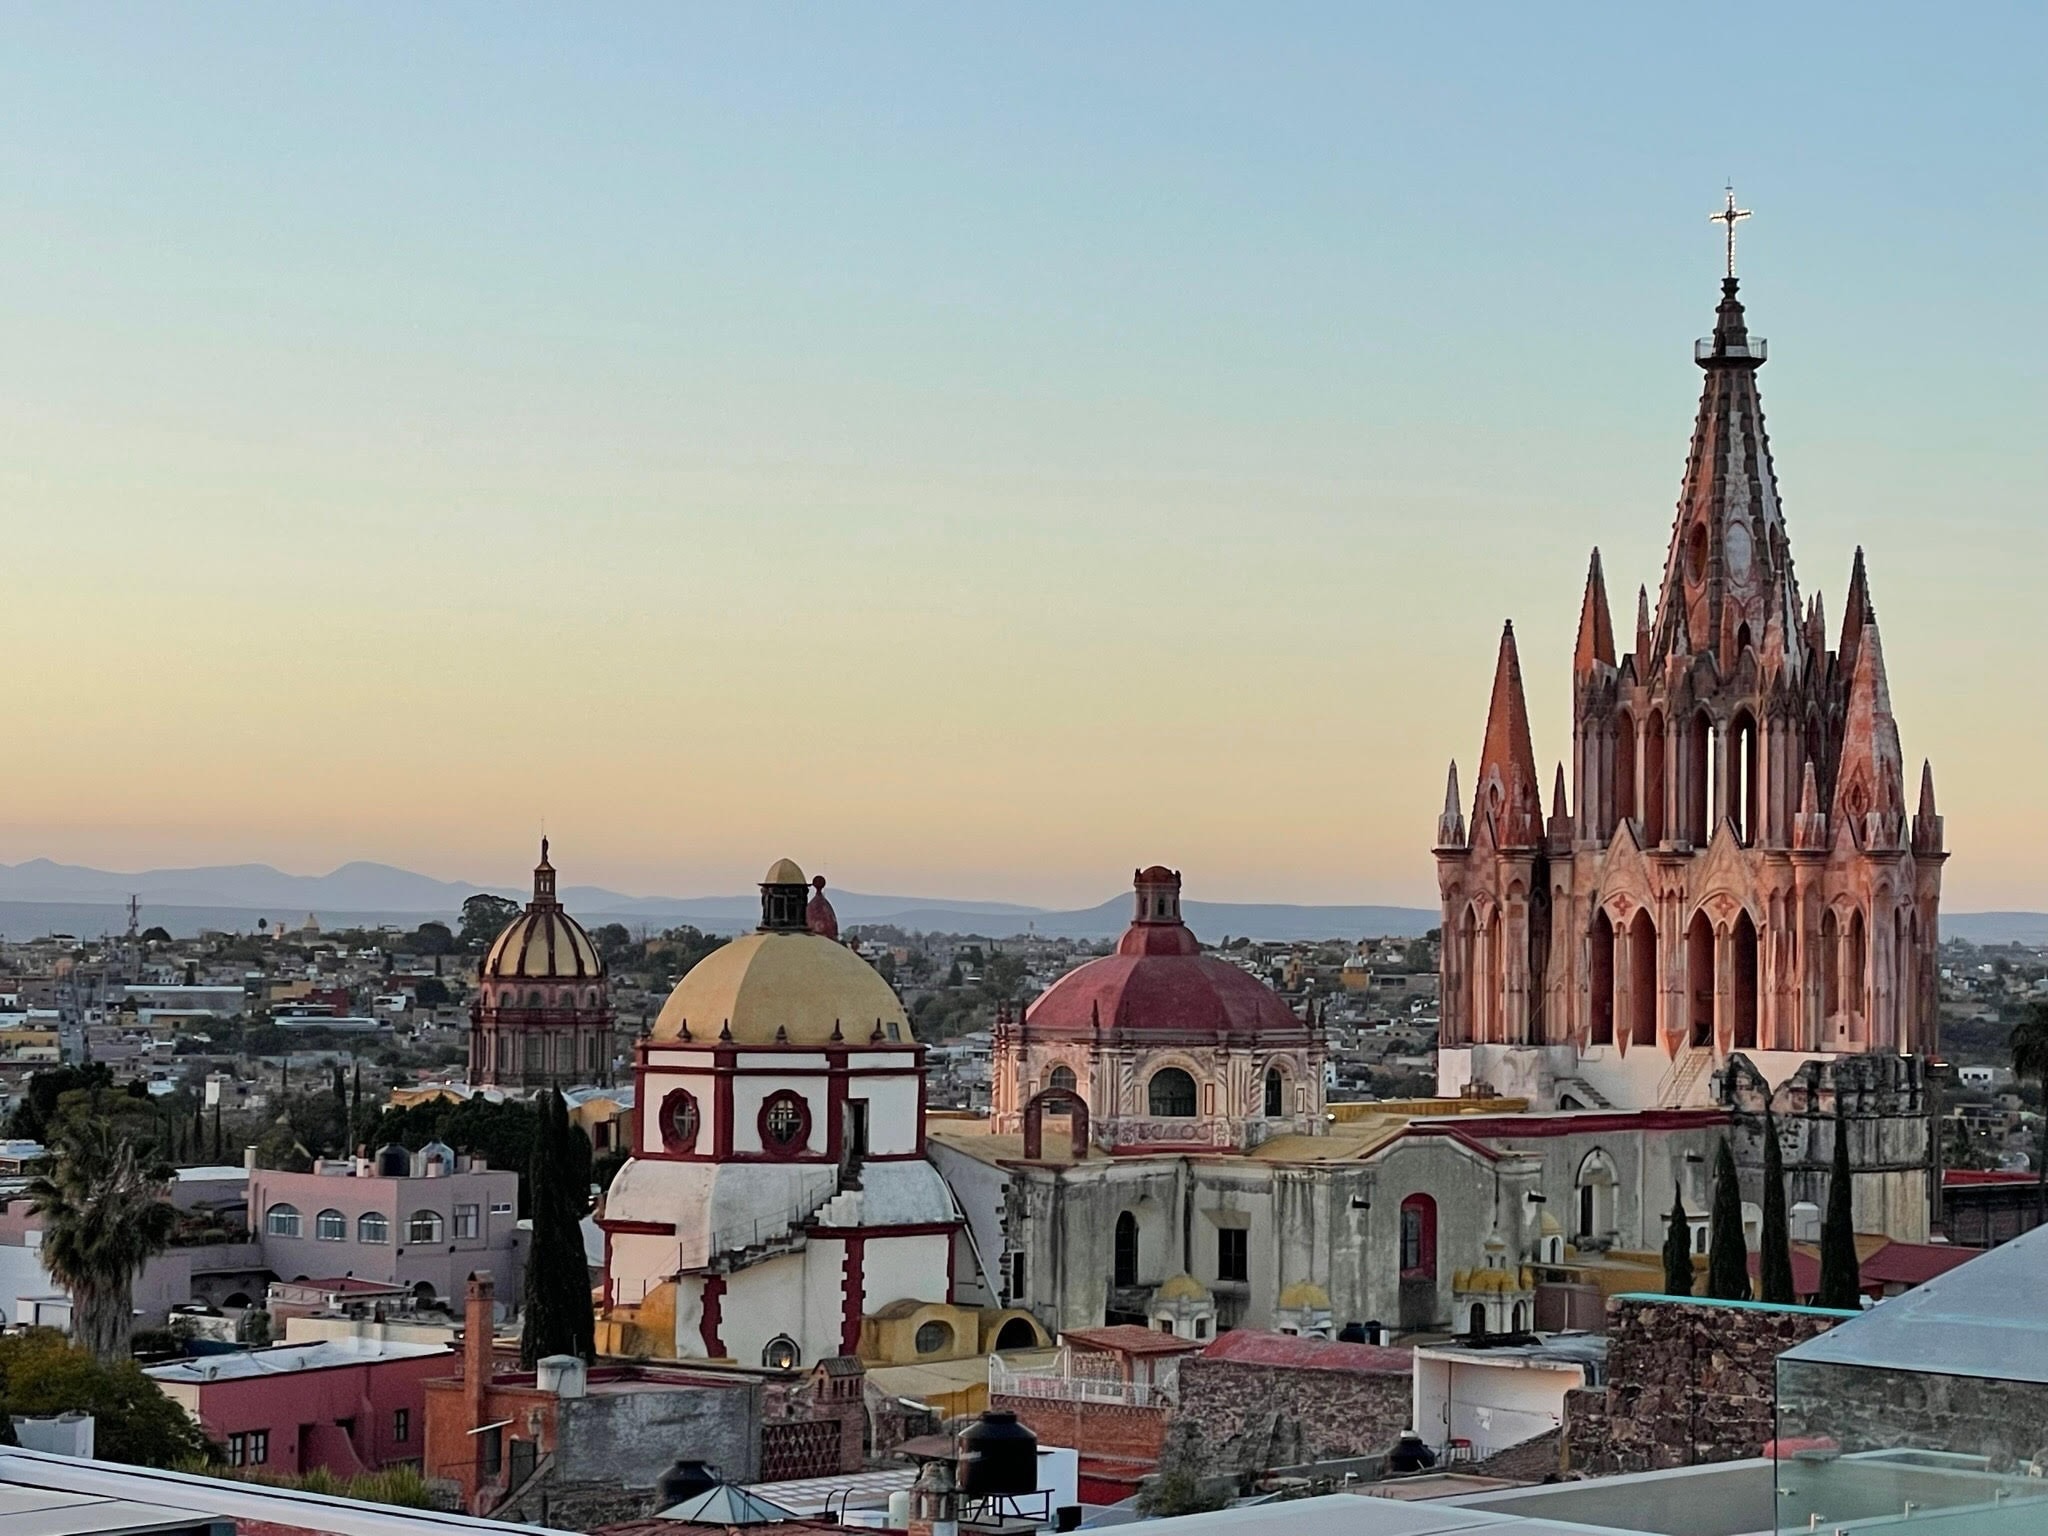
{"x": 1451, "y": 806}
{"x": 1557, "y": 807}
{"x": 1809, "y": 792}
{"x": 1926, "y": 787}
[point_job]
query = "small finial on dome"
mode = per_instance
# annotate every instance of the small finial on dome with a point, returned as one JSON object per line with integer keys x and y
{"x": 782, "y": 1034}
{"x": 818, "y": 914}
{"x": 876, "y": 1037}
{"x": 725, "y": 1030}
{"x": 836, "y": 1033}
{"x": 685, "y": 1034}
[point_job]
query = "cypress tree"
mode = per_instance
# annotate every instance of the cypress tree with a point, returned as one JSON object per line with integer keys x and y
{"x": 1678, "y": 1249}
{"x": 1840, "y": 1273}
{"x": 559, "y": 1318}
{"x": 1727, "y": 1254}
{"x": 218, "y": 1150}
{"x": 1774, "y": 1269}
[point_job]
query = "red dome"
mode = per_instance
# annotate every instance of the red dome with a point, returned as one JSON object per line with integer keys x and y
{"x": 1160, "y": 984}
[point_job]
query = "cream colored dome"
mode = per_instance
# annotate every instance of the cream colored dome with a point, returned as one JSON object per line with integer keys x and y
{"x": 542, "y": 944}
{"x": 784, "y": 872}
{"x": 801, "y": 983}
{"x": 1181, "y": 1288}
{"x": 1305, "y": 1295}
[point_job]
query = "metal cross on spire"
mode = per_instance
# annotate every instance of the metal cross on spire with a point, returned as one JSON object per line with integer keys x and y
{"x": 1728, "y": 217}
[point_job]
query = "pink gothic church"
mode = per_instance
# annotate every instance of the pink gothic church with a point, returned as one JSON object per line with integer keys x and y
{"x": 1735, "y": 870}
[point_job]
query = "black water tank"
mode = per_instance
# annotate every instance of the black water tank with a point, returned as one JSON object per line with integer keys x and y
{"x": 998, "y": 1457}
{"x": 684, "y": 1480}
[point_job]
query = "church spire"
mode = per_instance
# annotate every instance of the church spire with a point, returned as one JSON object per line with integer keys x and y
{"x": 1596, "y": 626}
{"x": 1856, "y": 614}
{"x": 1728, "y": 545}
{"x": 1450, "y": 826}
{"x": 1870, "y": 780}
{"x": 1508, "y": 797}
{"x": 1927, "y": 832}
{"x": 1642, "y": 628}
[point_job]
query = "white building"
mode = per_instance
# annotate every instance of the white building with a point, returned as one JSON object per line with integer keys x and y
{"x": 778, "y": 1192}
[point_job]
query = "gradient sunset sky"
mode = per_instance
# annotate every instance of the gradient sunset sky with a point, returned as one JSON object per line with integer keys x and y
{"x": 973, "y": 450}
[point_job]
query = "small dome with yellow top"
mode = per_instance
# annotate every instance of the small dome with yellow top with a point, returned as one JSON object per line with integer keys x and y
{"x": 1181, "y": 1288}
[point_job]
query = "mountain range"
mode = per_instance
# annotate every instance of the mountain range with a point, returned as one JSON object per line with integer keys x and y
{"x": 42, "y": 896}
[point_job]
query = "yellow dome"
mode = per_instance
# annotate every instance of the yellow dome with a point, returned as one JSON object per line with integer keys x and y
{"x": 800, "y": 983}
{"x": 1549, "y": 1227}
{"x": 1305, "y": 1295}
{"x": 1181, "y": 1288}
{"x": 784, "y": 872}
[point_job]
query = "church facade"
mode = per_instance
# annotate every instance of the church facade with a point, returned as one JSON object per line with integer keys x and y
{"x": 1735, "y": 868}
{"x": 542, "y": 1014}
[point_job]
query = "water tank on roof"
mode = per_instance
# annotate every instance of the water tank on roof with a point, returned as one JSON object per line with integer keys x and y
{"x": 684, "y": 1480}
{"x": 563, "y": 1375}
{"x": 998, "y": 1457}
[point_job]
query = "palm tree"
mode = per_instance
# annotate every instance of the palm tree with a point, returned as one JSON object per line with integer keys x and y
{"x": 2029, "y": 1047}
{"x": 104, "y": 1216}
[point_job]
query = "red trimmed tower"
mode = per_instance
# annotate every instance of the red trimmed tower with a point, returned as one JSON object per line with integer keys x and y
{"x": 542, "y": 1017}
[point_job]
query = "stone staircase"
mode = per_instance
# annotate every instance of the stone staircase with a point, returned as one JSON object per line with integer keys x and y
{"x": 1587, "y": 1095}
{"x": 1685, "y": 1073}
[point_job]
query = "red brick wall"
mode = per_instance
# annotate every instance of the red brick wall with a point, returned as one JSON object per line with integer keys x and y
{"x": 1096, "y": 1429}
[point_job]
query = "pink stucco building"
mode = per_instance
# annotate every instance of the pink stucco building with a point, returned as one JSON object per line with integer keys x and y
{"x": 421, "y": 1220}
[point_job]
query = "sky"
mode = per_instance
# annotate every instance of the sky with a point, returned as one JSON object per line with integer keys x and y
{"x": 971, "y": 450}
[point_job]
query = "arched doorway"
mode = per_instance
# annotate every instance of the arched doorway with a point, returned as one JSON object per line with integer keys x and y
{"x": 1830, "y": 965}
{"x": 1625, "y": 748}
{"x": 1593, "y": 1220}
{"x": 1742, "y": 790}
{"x": 1743, "y": 982}
{"x": 1858, "y": 988}
{"x": 1126, "y": 1258}
{"x": 1457, "y": 1011}
{"x": 1276, "y": 1093}
{"x": 1698, "y": 781}
{"x": 1478, "y": 1320}
{"x": 1600, "y": 983}
{"x": 1699, "y": 979}
{"x": 1642, "y": 978}
{"x": 1418, "y": 1238}
{"x": 1653, "y": 781}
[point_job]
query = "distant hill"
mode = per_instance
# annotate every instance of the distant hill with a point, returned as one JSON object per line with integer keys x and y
{"x": 41, "y": 896}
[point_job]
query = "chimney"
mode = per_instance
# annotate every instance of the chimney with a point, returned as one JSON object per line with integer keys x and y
{"x": 248, "y": 1159}
{"x": 479, "y": 1324}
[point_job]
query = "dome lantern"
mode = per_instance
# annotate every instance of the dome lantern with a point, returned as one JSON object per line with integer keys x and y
{"x": 785, "y": 898}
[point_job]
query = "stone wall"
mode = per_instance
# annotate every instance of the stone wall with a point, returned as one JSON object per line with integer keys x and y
{"x": 1117, "y": 1431}
{"x": 1688, "y": 1382}
{"x": 1865, "y": 1409}
{"x": 1252, "y": 1417}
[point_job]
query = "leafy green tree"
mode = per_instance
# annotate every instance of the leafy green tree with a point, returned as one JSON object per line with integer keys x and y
{"x": 954, "y": 976}
{"x": 431, "y": 939}
{"x": 559, "y": 1317}
{"x": 36, "y": 1118}
{"x": 606, "y": 1165}
{"x": 42, "y": 1374}
{"x": 2029, "y": 1046}
{"x": 1840, "y": 1272}
{"x": 1727, "y": 1255}
{"x": 156, "y": 936}
{"x": 104, "y": 1216}
{"x": 431, "y": 992}
{"x": 614, "y": 943}
{"x": 1774, "y": 1262}
{"x": 503, "y": 1134}
{"x": 484, "y": 917}
{"x": 1677, "y": 1248}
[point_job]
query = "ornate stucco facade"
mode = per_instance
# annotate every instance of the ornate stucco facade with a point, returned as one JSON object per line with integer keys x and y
{"x": 542, "y": 1017}
{"x": 1165, "y": 1046}
{"x": 1736, "y": 869}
